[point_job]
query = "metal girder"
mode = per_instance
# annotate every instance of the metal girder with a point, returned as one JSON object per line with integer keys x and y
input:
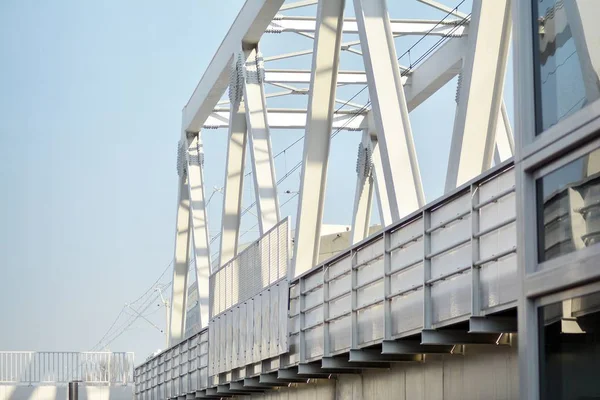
{"x": 234, "y": 183}
{"x": 398, "y": 27}
{"x": 376, "y": 356}
{"x": 261, "y": 151}
{"x": 274, "y": 380}
{"x": 212, "y": 392}
{"x": 411, "y": 347}
{"x": 437, "y": 70}
{"x": 241, "y": 387}
{"x": 202, "y": 394}
{"x": 291, "y": 375}
{"x": 248, "y": 27}
{"x": 195, "y": 157}
{"x": 314, "y": 370}
{"x": 451, "y": 337}
{"x": 394, "y": 134}
{"x": 293, "y": 119}
{"x": 303, "y": 76}
{"x": 363, "y": 194}
{"x": 480, "y": 92}
{"x": 493, "y": 324}
{"x": 341, "y": 363}
{"x": 321, "y": 107}
{"x": 256, "y": 383}
{"x": 181, "y": 262}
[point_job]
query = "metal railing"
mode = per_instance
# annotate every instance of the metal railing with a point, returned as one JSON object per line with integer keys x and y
{"x": 261, "y": 264}
{"x": 29, "y": 367}
{"x": 453, "y": 259}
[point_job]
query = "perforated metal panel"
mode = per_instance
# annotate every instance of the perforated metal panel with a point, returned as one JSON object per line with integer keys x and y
{"x": 262, "y": 263}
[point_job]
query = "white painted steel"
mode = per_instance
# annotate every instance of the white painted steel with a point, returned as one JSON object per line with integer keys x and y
{"x": 261, "y": 152}
{"x": 363, "y": 194}
{"x": 400, "y": 167}
{"x": 248, "y": 27}
{"x": 282, "y": 24}
{"x": 321, "y": 107}
{"x": 181, "y": 262}
{"x": 303, "y": 76}
{"x": 234, "y": 184}
{"x": 480, "y": 93}
{"x": 34, "y": 368}
{"x": 293, "y": 119}
{"x": 199, "y": 224}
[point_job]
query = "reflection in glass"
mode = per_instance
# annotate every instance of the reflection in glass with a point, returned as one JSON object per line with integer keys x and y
{"x": 569, "y": 207}
{"x": 567, "y": 60}
{"x": 570, "y": 349}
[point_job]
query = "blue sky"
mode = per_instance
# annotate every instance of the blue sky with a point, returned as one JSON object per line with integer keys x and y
{"x": 90, "y": 114}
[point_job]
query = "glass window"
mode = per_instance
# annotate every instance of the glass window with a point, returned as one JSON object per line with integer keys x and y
{"x": 569, "y": 344}
{"x": 568, "y": 204}
{"x": 567, "y": 58}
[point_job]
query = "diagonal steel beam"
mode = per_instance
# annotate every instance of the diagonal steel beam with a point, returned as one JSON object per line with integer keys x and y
{"x": 321, "y": 107}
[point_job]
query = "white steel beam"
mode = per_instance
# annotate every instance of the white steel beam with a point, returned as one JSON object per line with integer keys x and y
{"x": 195, "y": 157}
{"x": 480, "y": 92}
{"x": 383, "y": 201}
{"x": 321, "y": 107}
{"x": 505, "y": 144}
{"x": 433, "y": 73}
{"x": 249, "y": 25}
{"x": 234, "y": 184}
{"x": 293, "y": 119}
{"x": 303, "y": 76}
{"x": 363, "y": 196}
{"x": 261, "y": 152}
{"x": 398, "y": 27}
{"x": 394, "y": 134}
{"x": 180, "y": 267}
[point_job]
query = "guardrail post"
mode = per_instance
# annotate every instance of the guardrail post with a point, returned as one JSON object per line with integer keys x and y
{"x": 326, "y": 347}
{"x": 427, "y": 301}
{"x": 387, "y": 285}
{"x": 301, "y": 339}
{"x": 353, "y": 299}
{"x": 475, "y": 269}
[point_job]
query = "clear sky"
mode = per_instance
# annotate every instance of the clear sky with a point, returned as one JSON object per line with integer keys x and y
{"x": 90, "y": 111}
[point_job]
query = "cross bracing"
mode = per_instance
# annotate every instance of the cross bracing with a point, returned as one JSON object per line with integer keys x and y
{"x": 327, "y": 68}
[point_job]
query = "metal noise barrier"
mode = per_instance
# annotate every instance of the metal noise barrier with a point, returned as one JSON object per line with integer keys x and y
{"x": 261, "y": 264}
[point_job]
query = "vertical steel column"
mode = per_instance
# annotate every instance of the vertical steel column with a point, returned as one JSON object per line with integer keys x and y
{"x": 394, "y": 134}
{"x": 265, "y": 185}
{"x": 181, "y": 261}
{"x": 480, "y": 92}
{"x": 475, "y": 269}
{"x": 363, "y": 194}
{"x": 321, "y": 106}
{"x": 195, "y": 167}
{"x": 427, "y": 300}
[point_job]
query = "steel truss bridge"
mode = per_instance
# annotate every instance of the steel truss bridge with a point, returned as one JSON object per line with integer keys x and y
{"x": 429, "y": 301}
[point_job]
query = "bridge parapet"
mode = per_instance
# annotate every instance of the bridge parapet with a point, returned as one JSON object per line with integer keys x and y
{"x": 453, "y": 261}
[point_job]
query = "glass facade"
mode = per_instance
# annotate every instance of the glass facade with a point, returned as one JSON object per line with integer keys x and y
{"x": 569, "y": 348}
{"x": 567, "y": 58}
{"x": 568, "y": 204}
